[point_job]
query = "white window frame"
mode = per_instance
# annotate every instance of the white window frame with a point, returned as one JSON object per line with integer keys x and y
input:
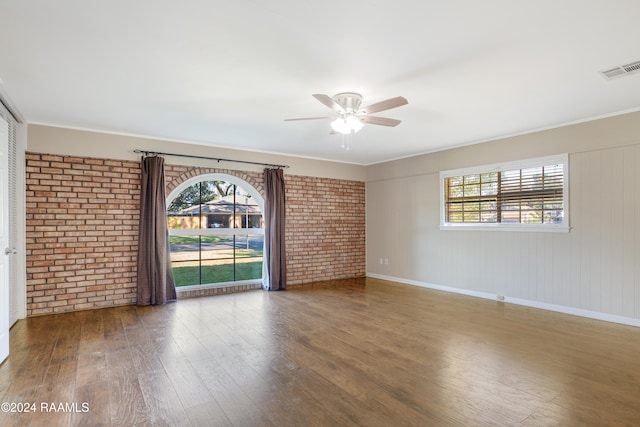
{"x": 562, "y": 227}
{"x": 219, "y": 231}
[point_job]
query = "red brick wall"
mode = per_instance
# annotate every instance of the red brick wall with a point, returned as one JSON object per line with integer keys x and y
{"x": 82, "y": 232}
{"x": 325, "y": 226}
{"x": 175, "y": 175}
{"x": 82, "y": 229}
{"x": 325, "y": 237}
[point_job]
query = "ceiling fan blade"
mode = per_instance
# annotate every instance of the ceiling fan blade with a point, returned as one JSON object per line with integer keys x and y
{"x": 382, "y": 121}
{"x": 307, "y": 118}
{"x": 385, "y": 105}
{"x": 328, "y": 101}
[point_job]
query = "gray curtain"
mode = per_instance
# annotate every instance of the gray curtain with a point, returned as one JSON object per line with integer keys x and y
{"x": 155, "y": 278}
{"x": 274, "y": 216}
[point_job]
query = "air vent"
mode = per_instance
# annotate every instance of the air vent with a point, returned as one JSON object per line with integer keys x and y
{"x": 631, "y": 68}
{"x": 622, "y": 70}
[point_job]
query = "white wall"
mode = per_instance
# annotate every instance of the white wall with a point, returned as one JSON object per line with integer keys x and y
{"x": 594, "y": 270}
{"x": 74, "y": 142}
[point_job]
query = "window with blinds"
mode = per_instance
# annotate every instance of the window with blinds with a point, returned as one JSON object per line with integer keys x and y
{"x": 524, "y": 195}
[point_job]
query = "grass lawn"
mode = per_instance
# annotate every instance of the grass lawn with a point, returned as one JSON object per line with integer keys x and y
{"x": 192, "y": 240}
{"x": 186, "y": 276}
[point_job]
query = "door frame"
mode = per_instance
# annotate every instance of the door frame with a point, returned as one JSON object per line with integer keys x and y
{"x": 5, "y": 252}
{"x": 18, "y": 286}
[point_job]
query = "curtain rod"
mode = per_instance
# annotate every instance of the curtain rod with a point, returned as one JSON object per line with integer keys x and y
{"x": 158, "y": 153}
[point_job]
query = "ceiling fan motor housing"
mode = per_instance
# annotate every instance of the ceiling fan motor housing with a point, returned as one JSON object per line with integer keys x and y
{"x": 349, "y": 101}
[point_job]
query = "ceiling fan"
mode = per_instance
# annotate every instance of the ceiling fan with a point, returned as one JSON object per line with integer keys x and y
{"x": 350, "y": 116}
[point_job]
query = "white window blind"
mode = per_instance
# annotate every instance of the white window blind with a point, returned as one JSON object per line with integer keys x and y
{"x": 518, "y": 194}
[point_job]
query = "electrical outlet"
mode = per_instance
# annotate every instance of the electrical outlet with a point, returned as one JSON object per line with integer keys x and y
{"x": 381, "y": 262}
{"x": 500, "y": 298}
{"x": 386, "y": 261}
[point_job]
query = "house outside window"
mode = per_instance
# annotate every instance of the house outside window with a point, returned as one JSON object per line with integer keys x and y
{"x": 216, "y": 232}
{"x": 528, "y": 195}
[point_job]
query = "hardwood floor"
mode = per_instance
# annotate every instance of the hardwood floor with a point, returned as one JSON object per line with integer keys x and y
{"x": 350, "y": 352}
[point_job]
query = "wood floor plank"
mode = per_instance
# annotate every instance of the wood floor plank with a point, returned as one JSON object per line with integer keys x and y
{"x": 208, "y": 414}
{"x": 114, "y": 331}
{"x": 126, "y": 401}
{"x": 58, "y": 388}
{"x": 345, "y": 352}
{"x": 93, "y": 400}
{"x": 234, "y": 402}
{"x": 614, "y": 407}
{"x": 189, "y": 386}
{"x": 91, "y": 368}
{"x": 29, "y": 396}
{"x": 142, "y": 350}
{"x": 289, "y": 381}
{"x": 347, "y": 370}
{"x": 92, "y": 334}
{"x": 162, "y": 399}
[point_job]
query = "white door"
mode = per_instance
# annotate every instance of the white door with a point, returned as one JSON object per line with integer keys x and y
{"x": 4, "y": 243}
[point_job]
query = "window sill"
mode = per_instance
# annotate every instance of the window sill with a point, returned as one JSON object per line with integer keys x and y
{"x": 217, "y": 289}
{"x": 528, "y": 228}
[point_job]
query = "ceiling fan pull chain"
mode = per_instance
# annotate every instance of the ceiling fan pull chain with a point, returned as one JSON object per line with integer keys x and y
{"x": 345, "y": 141}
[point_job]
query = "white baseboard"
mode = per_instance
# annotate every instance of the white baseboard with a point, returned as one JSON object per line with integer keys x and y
{"x": 630, "y": 321}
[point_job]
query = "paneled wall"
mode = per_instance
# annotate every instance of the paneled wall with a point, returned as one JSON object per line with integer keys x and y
{"x": 595, "y": 268}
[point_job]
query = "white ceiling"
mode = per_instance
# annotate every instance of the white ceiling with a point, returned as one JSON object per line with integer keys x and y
{"x": 226, "y": 73}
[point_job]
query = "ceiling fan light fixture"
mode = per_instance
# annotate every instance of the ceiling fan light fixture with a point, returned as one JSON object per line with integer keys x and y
{"x": 351, "y": 117}
{"x": 347, "y": 124}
